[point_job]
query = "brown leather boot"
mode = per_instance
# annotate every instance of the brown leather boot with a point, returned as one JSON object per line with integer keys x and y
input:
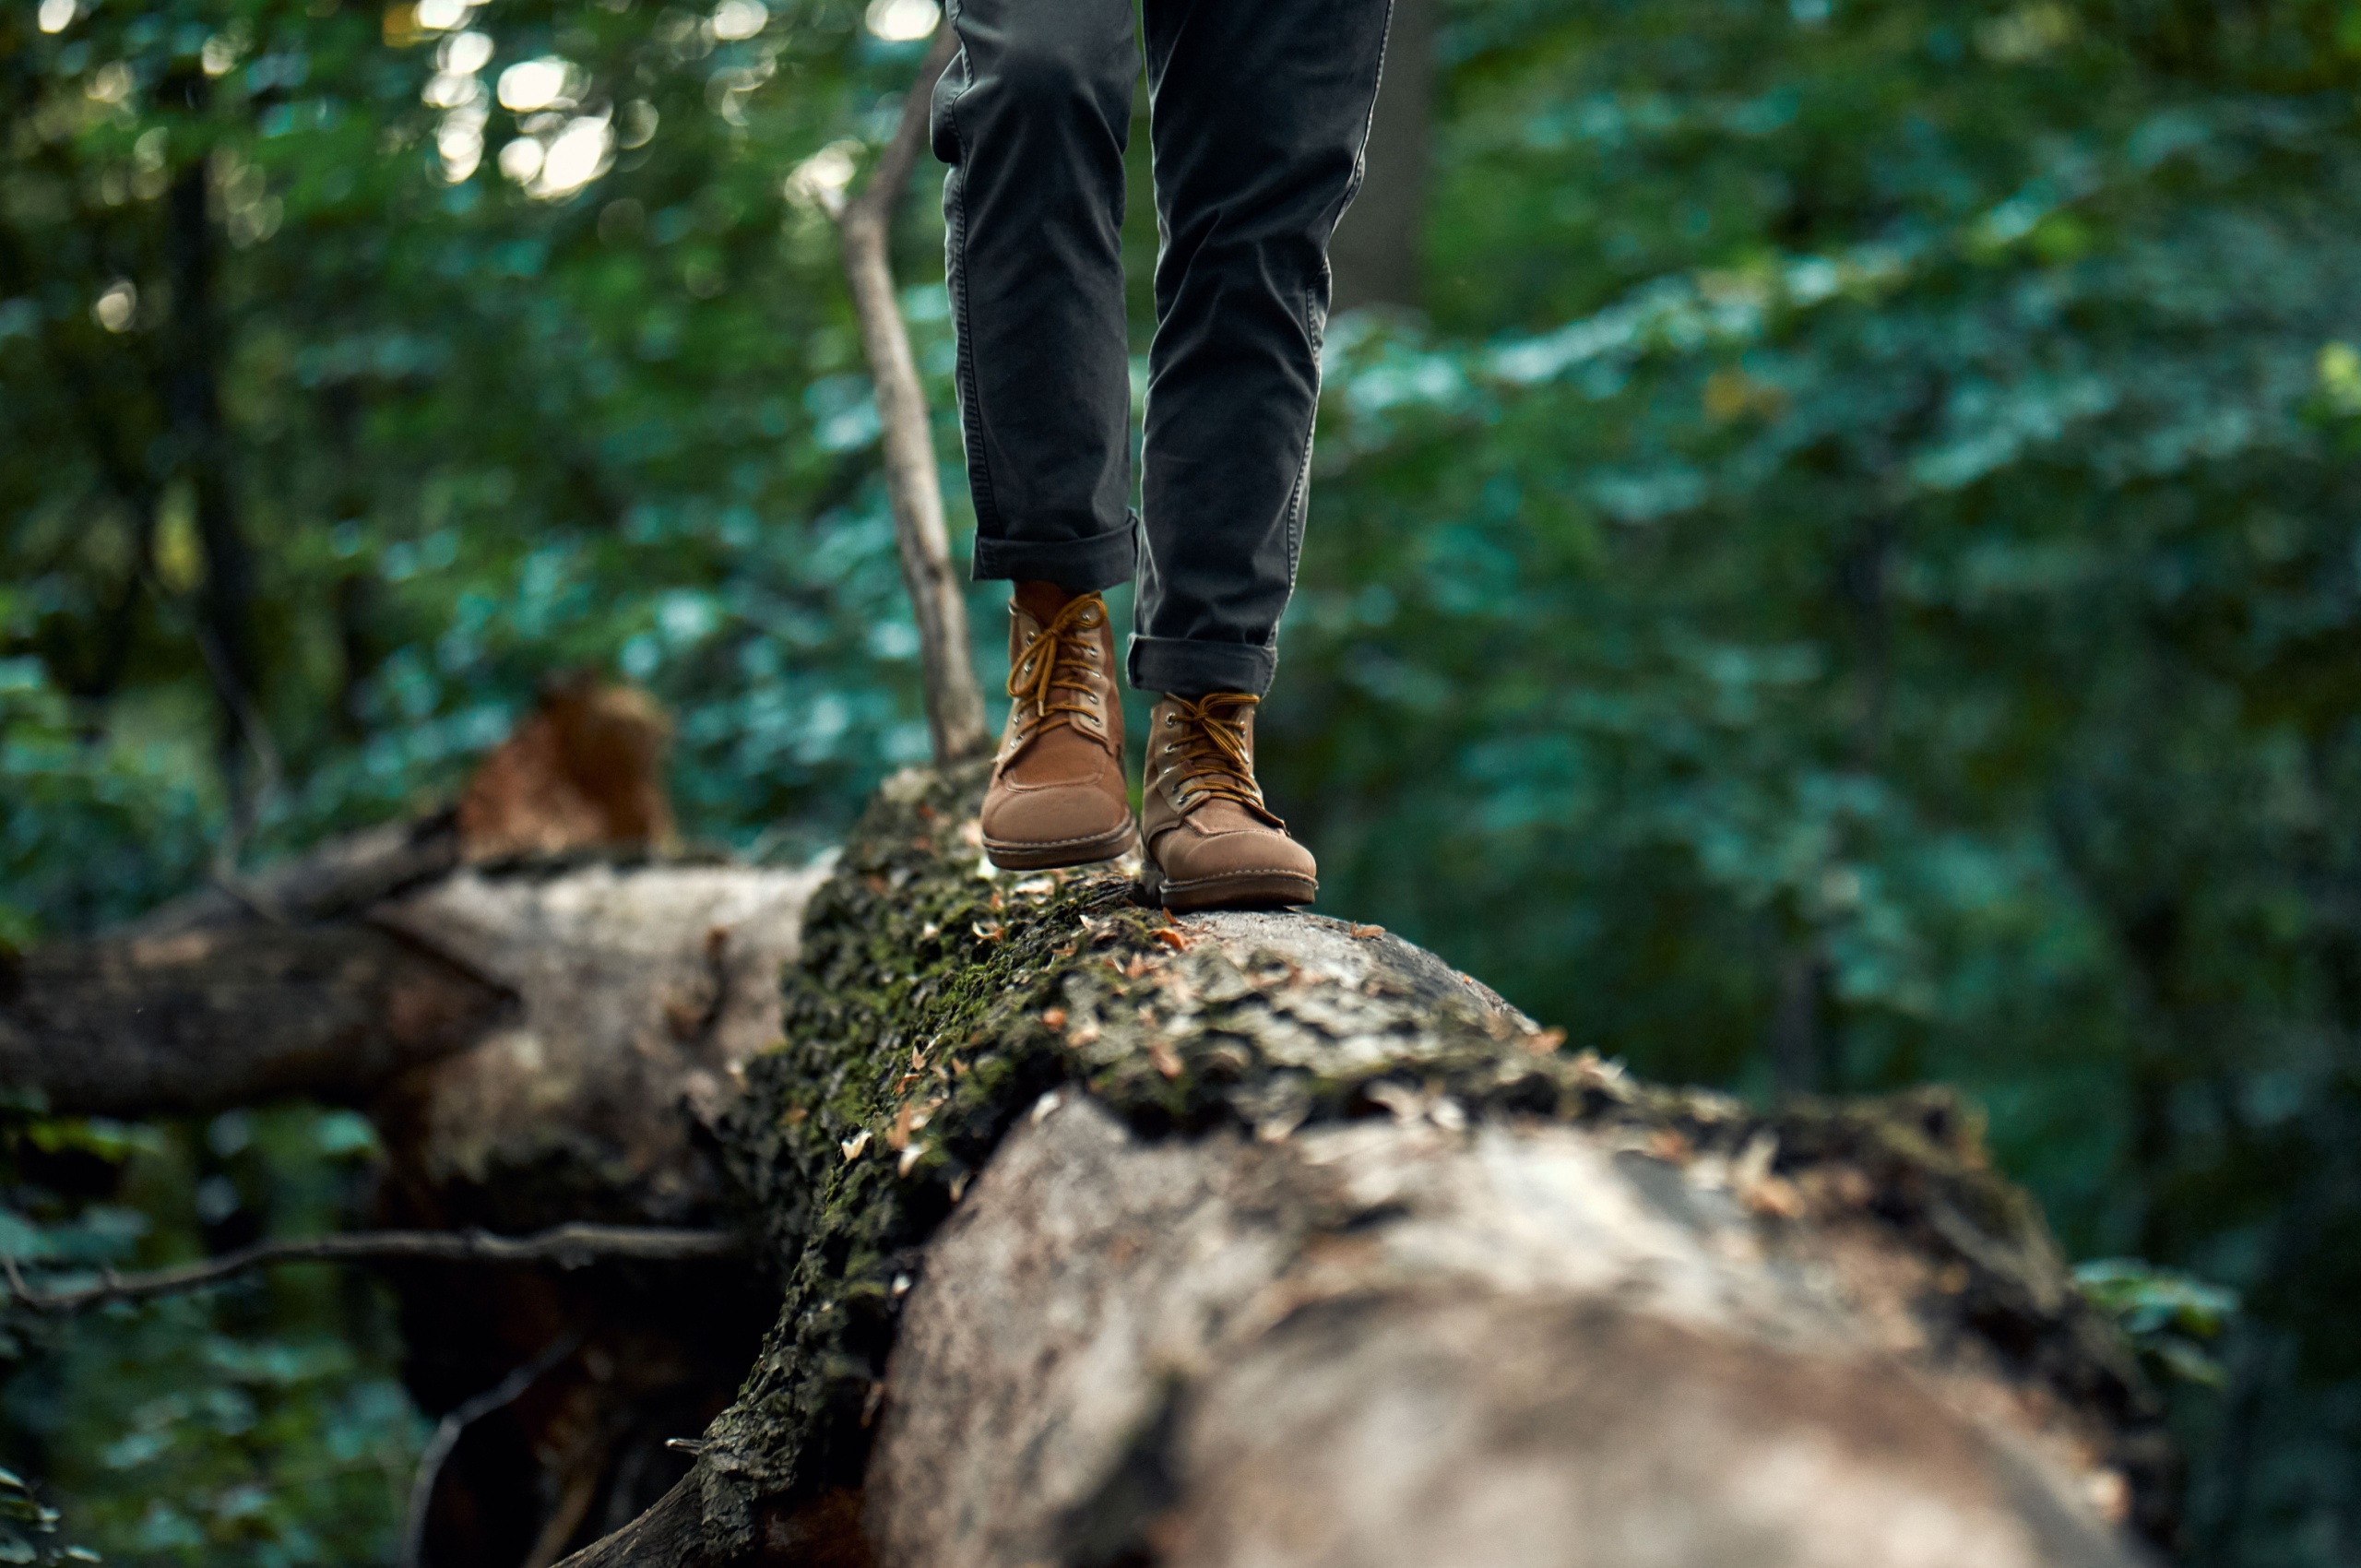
{"x": 1211, "y": 841}
{"x": 1057, "y": 796}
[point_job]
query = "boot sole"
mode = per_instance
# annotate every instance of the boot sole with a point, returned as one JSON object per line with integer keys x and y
{"x": 1050, "y": 856}
{"x": 1244, "y": 890}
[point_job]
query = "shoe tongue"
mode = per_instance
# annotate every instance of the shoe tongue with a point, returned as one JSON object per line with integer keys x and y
{"x": 1239, "y": 719}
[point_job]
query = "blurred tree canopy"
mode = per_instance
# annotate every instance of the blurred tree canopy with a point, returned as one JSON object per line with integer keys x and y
{"x": 1846, "y": 577}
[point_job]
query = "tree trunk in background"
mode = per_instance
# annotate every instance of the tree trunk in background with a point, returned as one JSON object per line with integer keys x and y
{"x": 1800, "y": 1045}
{"x": 224, "y": 630}
{"x": 119, "y": 451}
{"x": 1376, "y": 253}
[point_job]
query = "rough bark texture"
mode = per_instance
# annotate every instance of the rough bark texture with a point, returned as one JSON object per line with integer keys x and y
{"x": 268, "y": 986}
{"x": 642, "y": 988}
{"x": 539, "y": 1040}
{"x": 1392, "y": 1342}
{"x": 225, "y": 1015}
{"x": 1111, "y": 1238}
{"x": 1264, "y": 1239}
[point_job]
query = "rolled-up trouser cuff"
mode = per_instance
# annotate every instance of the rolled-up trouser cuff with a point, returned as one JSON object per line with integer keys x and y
{"x": 1181, "y": 668}
{"x": 1077, "y": 565}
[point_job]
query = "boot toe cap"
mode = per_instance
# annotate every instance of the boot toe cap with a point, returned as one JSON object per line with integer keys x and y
{"x": 1258, "y": 868}
{"x": 1242, "y": 854}
{"x": 1054, "y": 816}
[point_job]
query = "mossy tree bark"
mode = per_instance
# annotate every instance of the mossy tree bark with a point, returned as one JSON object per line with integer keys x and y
{"x": 539, "y": 1040}
{"x": 1108, "y": 1238}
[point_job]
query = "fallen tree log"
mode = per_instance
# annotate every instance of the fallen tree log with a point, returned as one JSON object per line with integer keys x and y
{"x": 642, "y": 985}
{"x": 540, "y": 1014}
{"x": 249, "y": 992}
{"x": 1108, "y": 1238}
{"x": 201, "y": 1019}
{"x": 591, "y": 1009}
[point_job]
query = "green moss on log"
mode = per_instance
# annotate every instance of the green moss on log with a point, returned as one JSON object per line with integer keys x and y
{"x": 936, "y": 1000}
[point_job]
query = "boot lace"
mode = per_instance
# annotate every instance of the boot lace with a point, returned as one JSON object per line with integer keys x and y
{"x": 1056, "y": 673}
{"x": 1215, "y": 763}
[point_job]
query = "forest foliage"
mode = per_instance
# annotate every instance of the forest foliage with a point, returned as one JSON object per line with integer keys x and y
{"x": 1845, "y": 578}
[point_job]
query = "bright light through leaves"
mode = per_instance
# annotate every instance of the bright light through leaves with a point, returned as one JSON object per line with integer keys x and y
{"x": 902, "y": 21}
{"x": 639, "y": 121}
{"x": 577, "y": 157}
{"x": 530, "y": 85}
{"x": 116, "y": 305}
{"x": 734, "y": 19}
{"x": 2340, "y": 370}
{"x": 464, "y": 53}
{"x": 56, "y": 16}
{"x": 560, "y": 165}
{"x": 521, "y": 160}
{"x": 821, "y": 179}
{"x": 445, "y": 90}
{"x": 461, "y": 149}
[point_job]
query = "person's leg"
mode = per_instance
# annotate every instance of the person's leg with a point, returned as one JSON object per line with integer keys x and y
{"x": 1033, "y": 114}
{"x": 1260, "y": 110}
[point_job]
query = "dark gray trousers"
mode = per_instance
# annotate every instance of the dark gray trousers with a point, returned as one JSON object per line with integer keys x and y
{"x": 1258, "y": 111}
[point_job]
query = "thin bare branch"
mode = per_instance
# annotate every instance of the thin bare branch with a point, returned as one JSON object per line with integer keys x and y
{"x": 568, "y": 1246}
{"x": 899, "y": 157}
{"x": 454, "y": 1424}
{"x": 955, "y": 702}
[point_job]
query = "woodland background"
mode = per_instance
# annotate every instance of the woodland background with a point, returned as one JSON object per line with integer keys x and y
{"x": 1832, "y": 566}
